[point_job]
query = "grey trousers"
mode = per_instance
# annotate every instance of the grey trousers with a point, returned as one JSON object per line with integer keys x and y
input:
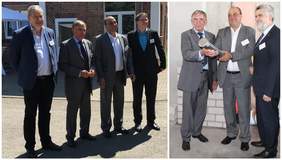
{"x": 194, "y": 110}
{"x": 232, "y": 88}
{"x": 117, "y": 90}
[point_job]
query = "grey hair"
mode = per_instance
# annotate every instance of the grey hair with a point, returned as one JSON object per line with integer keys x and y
{"x": 268, "y": 8}
{"x": 199, "y": 12}
{"x": 31, "y": 9}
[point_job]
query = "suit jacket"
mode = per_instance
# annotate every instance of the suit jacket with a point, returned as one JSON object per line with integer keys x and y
{"x": 71, "y": 62}
{"x": 242, "y": 55}
{"x": 105, "y": 58}
{"x": 145, "y": 63}
{"x": 23, "y": 56}
{"x": 192, "y": 68}
{"x": 267, "y": 65}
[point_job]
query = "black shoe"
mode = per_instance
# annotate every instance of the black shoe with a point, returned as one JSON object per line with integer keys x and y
{"x": 244, "y": 146}
{"x": 185, "y": 146}
{"x": 71, "y": 143}
{"x": 201, "y": 137}
{"x": 30, "y": 153}
{"x": 88, "y": 137}
{"x": 52, "y": 147}
{"x": 227, "y": 140}
{"x": 265, "y": 154}
{"x": 107, "y": 134}
{"x": 122, "y": 130}
{"x": 257, "y": 143}
{"x": 138, "y": 127}
{"x": 154, "y": 126}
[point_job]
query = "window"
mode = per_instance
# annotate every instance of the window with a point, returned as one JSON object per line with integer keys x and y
{"x": 124, "y": 13}
{"x": 11, "y": 25}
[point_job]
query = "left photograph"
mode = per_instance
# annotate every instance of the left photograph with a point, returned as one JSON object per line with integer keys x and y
{"x": 84, "y": 80}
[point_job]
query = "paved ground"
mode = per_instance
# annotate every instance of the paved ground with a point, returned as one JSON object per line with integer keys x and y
{"x": 213, "y": 148}
{"x": 147, "y": 144}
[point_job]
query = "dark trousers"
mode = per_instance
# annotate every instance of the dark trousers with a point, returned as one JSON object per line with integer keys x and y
{"x": 268, "y": 122}
{"x": 150, "y": 92}
{"x": 78, "y": 98}
{"x": 40, "y": 96}
{"x": 115, "y": 88}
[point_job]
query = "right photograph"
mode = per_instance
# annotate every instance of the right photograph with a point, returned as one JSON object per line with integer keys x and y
{"x": 224, "y": 79}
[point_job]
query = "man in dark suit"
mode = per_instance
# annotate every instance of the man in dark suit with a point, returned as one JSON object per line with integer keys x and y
{"x": 112, "y": 69}
{"x": 197, "y": 77}
{"x": 267, "y": 81}
{"x": 76, "y": 60}
{"x": 34, "y": 56}
{"x": 142, "y": 43}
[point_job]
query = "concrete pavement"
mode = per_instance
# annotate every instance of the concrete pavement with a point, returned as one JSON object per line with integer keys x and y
{"x": 147, "y": 144}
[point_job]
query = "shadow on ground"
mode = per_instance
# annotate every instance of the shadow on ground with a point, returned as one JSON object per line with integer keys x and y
{"x": 106, "y": 148}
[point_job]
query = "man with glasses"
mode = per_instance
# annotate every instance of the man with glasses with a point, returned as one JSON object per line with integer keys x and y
{"x": 113, "y": 68}
{"x": 233, "y": 75}
{"x": 142, "y": 43}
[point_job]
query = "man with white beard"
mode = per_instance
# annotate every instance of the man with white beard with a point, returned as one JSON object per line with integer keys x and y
{"x": 267, "y": 81}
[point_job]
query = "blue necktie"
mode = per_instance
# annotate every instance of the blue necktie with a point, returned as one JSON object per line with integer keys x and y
{"x": 205, "y": 61}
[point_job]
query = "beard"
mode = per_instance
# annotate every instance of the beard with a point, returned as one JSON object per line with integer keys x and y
{"x": 261, "y": 26}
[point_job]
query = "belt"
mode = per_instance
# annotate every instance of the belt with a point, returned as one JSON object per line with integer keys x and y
{"x": 205, "y": 70}
{"x": 44, "y": 77}
{"x": 233, "y": 72}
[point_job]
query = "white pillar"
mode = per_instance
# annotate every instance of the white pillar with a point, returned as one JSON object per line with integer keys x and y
{"x": 155, "y": 16}
{"x": 43, "y": 6}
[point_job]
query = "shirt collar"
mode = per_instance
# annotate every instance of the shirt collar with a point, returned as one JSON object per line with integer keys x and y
{"x": 267, "y": 29}
{"x": 111, "y": 36}
{"x": 199, "y": 31}
{"x": 33, "y": 30}
{"x": 237, "y": 30}
{"x": 77, "y": 40}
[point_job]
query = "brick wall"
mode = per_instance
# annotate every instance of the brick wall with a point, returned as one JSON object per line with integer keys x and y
{"x": 215, "y": 114}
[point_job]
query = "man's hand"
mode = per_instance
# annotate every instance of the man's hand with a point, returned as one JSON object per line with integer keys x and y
{"x": 102, "y": 83}
{"x": 214, "y": 86}
{"x": 91, "y": 73}
{"x": 266, "y": 98}
{"x": 83, "y": 74}
{"x": 225, "y": 57}
{"x": 208, "y": 52}
{"x": 132, "y": 77}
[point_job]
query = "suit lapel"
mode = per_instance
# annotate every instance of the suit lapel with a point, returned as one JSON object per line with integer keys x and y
{"x": 239, "y": 38}
{"x": 122, "y": 46}
{"x": 30, "y": 36}
{"x": 228, "y": 39}
{"x": 45, "y": 33}
{"x": 108, "y": 41}
{"x": 137, "y": 41}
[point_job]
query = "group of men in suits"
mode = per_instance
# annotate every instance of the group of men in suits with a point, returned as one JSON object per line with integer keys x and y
{"x": 200, "y": 73}
{"x": 113, "y": 58}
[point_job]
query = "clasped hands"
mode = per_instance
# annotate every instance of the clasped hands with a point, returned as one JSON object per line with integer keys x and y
{"x": 87, "y": 74}
{"x": 212, "y": 53}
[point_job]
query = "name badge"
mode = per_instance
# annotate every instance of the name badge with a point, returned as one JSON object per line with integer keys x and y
{"x": 51, "y": 43}
{"x": 262, "y": 46}
{"x": 152, "y": 41}
{"x": 245, "y": 42}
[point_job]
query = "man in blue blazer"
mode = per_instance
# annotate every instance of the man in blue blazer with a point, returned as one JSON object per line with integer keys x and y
{"x": 267, "y": 81}
{"x": 34, "y": 56}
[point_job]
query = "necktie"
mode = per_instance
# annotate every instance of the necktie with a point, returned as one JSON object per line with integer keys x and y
{"x": 205, "y": 60}
{"x": 83, "y": 52}
{"x": 260, "y": 38}
{"x": 201, "y": 34}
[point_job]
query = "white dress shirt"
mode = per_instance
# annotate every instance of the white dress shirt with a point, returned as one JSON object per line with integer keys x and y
{"x": 118, "y": 52}
{"x": 42, "y": 53}
{"x": 233, "y": 66}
